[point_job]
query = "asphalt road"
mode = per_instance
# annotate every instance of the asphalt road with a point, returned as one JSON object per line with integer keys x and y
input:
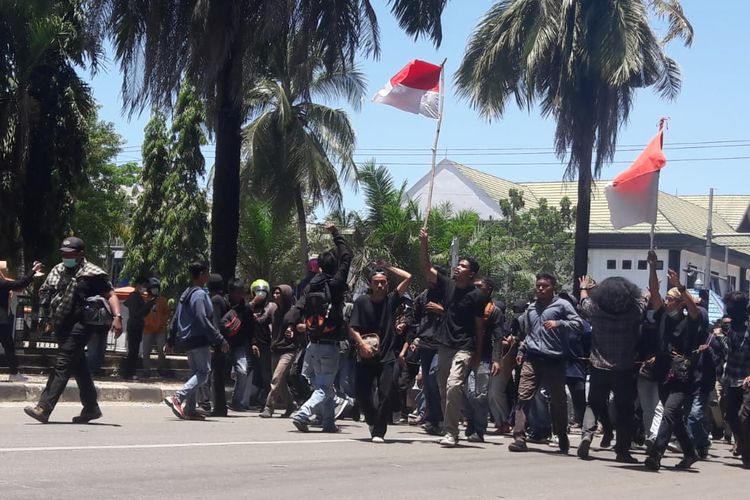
{"x": 142, "y": 451}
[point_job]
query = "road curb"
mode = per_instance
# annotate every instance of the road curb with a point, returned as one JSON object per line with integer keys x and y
{"x": 141, "y": 393}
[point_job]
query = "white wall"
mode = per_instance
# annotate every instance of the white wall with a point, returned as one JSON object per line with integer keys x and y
{"x": 598, "y": 265}
{"x": 449, "y": 187}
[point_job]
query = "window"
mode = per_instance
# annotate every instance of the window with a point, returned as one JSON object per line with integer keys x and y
{"x": 627, "y": 264}
{"x": 612, "y": 264}
{"x": 659, "y": 265}
{"x": 642, "y": 265}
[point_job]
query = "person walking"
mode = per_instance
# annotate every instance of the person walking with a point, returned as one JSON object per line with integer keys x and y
{"x": 155, "y": 327}
{"x": 615, "y": 309}
{"x": 461, "y": 335}
{"x": 7, "y": 285}
{"x": 193, "y": 324}
{"x": 373, "y": 330}
{"x": 81, "y": 301}
{"x": 284, "y": 344}
{"x": 545, "y": 328}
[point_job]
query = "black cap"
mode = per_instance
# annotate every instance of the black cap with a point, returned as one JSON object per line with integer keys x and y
{"x": 72, "y": 244}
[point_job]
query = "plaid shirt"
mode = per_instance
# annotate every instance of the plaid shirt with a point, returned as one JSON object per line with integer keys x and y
{"x": 614, "y": 337}
{"x": 61, "y": 286}
{"x": 738, "y": 357}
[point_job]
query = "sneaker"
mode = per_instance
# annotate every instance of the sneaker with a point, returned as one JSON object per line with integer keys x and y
{"x": 87, "y": 416}
{"x": 377, "y": 440}
{"x": 289, "y": 410}
{"x": 653, "y": 463}
{"x": 702, "y": 453}
{"x": 504, "y": 428}
{"x": 475, "y": 438}
{"x": 331, "y": 430}
{"x": 537, "y": 440}
{"x": 300, "y": 423}
{"x": 341, "y": 407}
{"x": 626, "y": 458}
{"x": 674, "y": 447}
{"x": 583, "y": 449}
{"x": 606, "y": 441}
{"x": 195, "y": 415}
{"x": 314, "y": 421}
{"x": 448, "y": 441}
{"x": 37, "y": 413}
{"x": 266, "y": 413}
{"x": 236, "y": 408}
{"x": 17, "y": 377}
{"x": 176, "y": 406}
{"x": 686, "y": 462}
{"x": 518, "y": 446}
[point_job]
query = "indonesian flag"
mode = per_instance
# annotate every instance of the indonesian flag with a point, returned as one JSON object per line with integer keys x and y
{"x": 633, "y": 196}
{"x": 416, "y": 89}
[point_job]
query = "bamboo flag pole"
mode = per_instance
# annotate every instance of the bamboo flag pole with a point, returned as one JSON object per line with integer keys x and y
{"x": 435, "y": 144}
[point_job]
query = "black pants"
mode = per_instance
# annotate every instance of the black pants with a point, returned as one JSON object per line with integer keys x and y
{"x": 577, "y": 388}
{"x": 134, "y": 336}
{"x": 218, "y": 382}
{"x": 622, "y": 384}
{"x": 676, "y": 399}
{"x": 738, "y": 418}
{"x": 406, "y": 377}
{"x": 6, "y": 339}
{"x": 375, "y": 387}
{"x": 71, "y": 360}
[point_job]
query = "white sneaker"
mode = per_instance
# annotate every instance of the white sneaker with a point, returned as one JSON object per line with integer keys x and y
{"x": 448, "y": 441}
{"x": 378, "y": 440}
{"x": 17, "y": 377}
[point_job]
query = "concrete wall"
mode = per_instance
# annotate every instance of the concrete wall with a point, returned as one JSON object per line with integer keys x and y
{"x": 599, "y": 259}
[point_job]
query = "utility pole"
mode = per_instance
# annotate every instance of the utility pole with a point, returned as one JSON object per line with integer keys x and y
{"x": 709, "y": 236}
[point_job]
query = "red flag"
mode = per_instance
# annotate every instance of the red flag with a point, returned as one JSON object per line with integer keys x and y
{"x": 633, "y": 195}
{"x": 416, "y": 89}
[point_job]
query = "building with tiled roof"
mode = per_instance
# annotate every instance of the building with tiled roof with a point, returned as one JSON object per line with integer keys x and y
{"x": 679, "y": 231}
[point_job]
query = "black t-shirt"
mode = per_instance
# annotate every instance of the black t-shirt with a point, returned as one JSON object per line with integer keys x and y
{"x": 462, "y": 307}
{"x": 371, "y": 317}
{"x": 681, "y": 336}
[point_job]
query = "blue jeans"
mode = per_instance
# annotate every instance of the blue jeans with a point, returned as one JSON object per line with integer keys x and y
{"x": 428, "y": 359}
{"x": 345, "y": 379}
{"x": 322, "y": 362}
{"x": 240, "y": 397}
{"x": 476, "y": 405}
{"x": 199, "y": 362}
{"x": 697, "y": 425}
{"x": 96, "y": 349}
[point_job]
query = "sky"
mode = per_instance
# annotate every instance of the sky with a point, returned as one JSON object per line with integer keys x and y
{"x": 708, "y": 139}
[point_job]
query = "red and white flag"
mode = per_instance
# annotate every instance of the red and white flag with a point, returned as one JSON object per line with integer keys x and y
{"x": 416, "y": 89}
{"x": 633, "y": 196}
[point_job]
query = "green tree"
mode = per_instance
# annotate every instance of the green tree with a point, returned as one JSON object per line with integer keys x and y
{"x": 183, "y": 218}
{"x": 223, "y": 46}
{"x": 525, "y": 242}
{"x": 141, "y": 256}
{"x": 582, "y": 62}
{"x": 294, "y": 145}
{"x": 45, "y": 109}
{"x": 268, "y": 246}
{"x": 104, "y": 200}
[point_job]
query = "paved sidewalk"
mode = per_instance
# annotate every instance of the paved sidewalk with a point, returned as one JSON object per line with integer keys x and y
{"x": 109, "y": 390}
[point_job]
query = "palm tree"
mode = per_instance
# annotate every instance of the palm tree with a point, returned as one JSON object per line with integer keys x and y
{"x": 45, "y": 112}
{"x": 582, "y": 61}
{"x": 223, "y": 46}
{"x": 296, "y": 148}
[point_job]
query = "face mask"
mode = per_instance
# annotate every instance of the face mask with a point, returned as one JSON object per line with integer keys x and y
{"x": 70, "y": 263}
{"x": 154, "y": 291}
{"x": 675, "y": 313}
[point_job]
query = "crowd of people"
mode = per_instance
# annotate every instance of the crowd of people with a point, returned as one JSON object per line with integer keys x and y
{"x": 641, "y": 368}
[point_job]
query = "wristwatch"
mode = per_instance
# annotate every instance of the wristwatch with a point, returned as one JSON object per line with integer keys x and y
{"x": 118, "y": 316}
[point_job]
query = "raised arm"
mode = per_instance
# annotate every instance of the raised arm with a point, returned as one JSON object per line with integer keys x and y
{"x": 424, "y": 256}
{"x": 687, "y": 299}
{"x": 653, "y": 282}
{"x": 344, "y": 252}
{"x": 404, "y": 276}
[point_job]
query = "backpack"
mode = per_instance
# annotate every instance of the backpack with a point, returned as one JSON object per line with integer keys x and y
{"x": 231, "y": 324}
{"x": 317, "y": 312}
